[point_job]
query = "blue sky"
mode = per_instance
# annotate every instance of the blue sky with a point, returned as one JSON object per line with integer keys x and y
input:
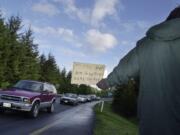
{"x": 90, "y": 31}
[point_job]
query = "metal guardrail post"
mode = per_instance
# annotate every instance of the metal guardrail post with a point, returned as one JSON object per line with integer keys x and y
{"x": 102, "y": 106}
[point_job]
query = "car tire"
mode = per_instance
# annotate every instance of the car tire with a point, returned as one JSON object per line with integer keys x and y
{"x": 2, "y": 111}
{"x": 61, "y": 102}
{"x": 75, "y": 103}
{"x": 34, "y": 111}
{"x": 51, "y": 108}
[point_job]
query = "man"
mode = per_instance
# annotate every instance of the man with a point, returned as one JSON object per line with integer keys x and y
{"x": 156, "y": 62}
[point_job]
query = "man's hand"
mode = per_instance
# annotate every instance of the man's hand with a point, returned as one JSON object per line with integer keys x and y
{"x": 102, "y": 84}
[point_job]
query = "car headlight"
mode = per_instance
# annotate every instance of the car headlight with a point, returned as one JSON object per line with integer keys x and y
{"x": 27, "y": 100}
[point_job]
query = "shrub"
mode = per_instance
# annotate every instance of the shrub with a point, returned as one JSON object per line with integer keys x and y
{"x": 125, "y": 99}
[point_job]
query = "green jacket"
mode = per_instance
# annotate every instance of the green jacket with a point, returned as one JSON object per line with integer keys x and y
{"x": 156, "y": 62}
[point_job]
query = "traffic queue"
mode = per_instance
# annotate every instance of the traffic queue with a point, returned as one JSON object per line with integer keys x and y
{"x": 74, "y": 99}
{"x": 31, "y": 96}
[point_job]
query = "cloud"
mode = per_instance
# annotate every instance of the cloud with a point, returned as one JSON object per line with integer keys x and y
{"x": 72, "y": 53}
{"x": 129, "y": 43}
{"x": 45, "y": 8}
{"x": 42, "y": 44}
{"x": 132, "y": 26}
{"x": 44, "y": 30}
{"x": 100, "y": 42}
{"x": 3, "y": 12}
{"x": 73, "y": 11}
{"x": 128, "y": 27}
{"x": 143, "y": 24}
{"x": 82, "y": 14}
{"x": 93, "y": 16}
{"x": 103, "y": 8}
{"x": 27, "y": 22}
{"x": 66, "y": 34}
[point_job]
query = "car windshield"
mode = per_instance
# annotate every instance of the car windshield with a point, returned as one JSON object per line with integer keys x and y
{"x": 28, "y": 85}
{"x": 71, "y": 95}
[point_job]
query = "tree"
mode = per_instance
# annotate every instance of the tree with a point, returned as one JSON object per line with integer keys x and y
{"x": 125, "y": 99}
{"x": 18, "y": 53}
{"x": 14, "y": 25}
{"x": 10, "y": 47}
{"x": 42, "y": 67}
{"x": 49, "y": 70}
{"x": 29, "y": 62}
{"x": 4, "y": 51}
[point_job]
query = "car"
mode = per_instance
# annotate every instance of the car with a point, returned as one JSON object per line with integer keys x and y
{"x": 69, "y": 98}
{"x": 98, "y": 98}
{"x": 82, "y": 99}
{"x": 92, "y": 97}
{"x": 88, "y": 97}
{"x": 28, "y": 96}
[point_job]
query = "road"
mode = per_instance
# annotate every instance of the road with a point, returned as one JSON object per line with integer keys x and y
{"x": 66, "y": 120}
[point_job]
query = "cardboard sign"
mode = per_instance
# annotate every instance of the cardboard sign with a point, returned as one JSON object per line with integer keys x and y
{"x": 88, "y": 74}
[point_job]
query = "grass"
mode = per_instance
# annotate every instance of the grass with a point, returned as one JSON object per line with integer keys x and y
{"x": 109, "y": 123}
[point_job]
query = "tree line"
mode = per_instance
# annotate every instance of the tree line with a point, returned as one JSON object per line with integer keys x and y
{"x": 20, "y": 60}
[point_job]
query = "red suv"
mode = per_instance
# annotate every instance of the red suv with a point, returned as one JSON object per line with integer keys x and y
{"x": 28, "y": 96}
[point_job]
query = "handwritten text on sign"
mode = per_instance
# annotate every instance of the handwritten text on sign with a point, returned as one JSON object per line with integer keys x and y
{"x": 87, "y": 73}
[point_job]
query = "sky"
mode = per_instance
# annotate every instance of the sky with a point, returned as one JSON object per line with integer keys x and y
{"x": 88, "y": 31}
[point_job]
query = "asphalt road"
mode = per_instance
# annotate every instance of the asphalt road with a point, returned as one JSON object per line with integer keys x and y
{"x": 66, "y": 120}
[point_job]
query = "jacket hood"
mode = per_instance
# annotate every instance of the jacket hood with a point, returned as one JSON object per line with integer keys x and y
{"x": 169, "y": 30}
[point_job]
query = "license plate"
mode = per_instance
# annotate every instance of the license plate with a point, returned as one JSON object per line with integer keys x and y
{"x": 8, "y": 105}
{"x": 65, "y": 101}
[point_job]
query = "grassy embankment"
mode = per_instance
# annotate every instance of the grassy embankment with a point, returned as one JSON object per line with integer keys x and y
{"x": 109, "y": 123}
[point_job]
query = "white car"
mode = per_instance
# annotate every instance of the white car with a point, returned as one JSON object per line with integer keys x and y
{"x": 69, "y": 98}
{"x": 82, "y": 99}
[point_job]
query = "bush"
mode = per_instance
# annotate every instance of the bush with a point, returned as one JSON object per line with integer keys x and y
{"x": 4, "y": 85}
{"x": 125, "y": 99}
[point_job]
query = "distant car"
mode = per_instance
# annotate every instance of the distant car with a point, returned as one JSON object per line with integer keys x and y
{"x": 70, "y": 99}
{"x": 93, "y": 97}
{"x": 98, "y": 98}
{"x": 88, "y": 97}
{"x": 82, "y": 99}
{"x": 28, "y": 96}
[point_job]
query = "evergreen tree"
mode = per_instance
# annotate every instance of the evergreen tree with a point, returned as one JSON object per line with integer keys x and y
{"x": 125, "y": 99}
{"x": 29, "y": 62}
{"x": 50, "y": 71}
{"x": 42, "y": 67}
{"x": 11, "y": 47}
{"x": 4, "y": 52}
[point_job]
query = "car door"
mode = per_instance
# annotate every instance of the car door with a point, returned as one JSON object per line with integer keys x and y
{"x": 45, "y": 96}
{"x": 51, "y": 92}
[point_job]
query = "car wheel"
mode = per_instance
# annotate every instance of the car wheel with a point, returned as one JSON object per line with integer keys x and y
{"x": 75, "y": 103}
{"x": 2, "y": 111}
{"x": 61, "y": 102}
{"x": 51, "y": 108}
{"x": 34, "y": 111}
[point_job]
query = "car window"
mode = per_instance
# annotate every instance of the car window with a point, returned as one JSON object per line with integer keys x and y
{"x": 53, "y": 89}
{"x": 71, "y": 95}
{"x": 50, "y": 88}
{"x": 46, "y": 87}
{"x": 36, "y": 87}
{"x": 29, "y": 85}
